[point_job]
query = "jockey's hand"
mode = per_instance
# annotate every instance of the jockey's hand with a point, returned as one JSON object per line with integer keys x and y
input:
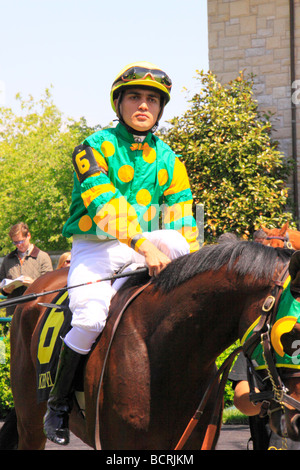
{"x": 155, "y": 259}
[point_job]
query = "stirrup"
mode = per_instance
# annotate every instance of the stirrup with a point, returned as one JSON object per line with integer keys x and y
{"x": 56, "y": 427}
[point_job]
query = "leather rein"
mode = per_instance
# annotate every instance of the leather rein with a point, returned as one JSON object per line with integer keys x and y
{"x": 261, "y": 334}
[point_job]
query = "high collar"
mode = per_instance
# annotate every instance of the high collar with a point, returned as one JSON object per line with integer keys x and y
{"x": 126, "y": 135}
{"x": 34, "y": 252}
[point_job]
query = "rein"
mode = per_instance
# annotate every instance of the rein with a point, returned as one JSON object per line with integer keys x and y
{"x": 213, "y": 425}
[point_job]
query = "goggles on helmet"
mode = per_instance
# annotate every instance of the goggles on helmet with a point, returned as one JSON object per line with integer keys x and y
{"x": 141, "y": 73}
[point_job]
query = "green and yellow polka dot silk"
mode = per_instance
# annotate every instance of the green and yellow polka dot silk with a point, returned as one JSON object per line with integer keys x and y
{"x": 136, "y": 183}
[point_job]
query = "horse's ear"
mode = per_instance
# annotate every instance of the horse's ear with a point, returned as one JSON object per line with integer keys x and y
{"x": 283, "y": 229}
{"x": 266, "y": 230}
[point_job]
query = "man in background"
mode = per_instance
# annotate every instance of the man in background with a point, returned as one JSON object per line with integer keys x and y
{"x": 26, "y": 260}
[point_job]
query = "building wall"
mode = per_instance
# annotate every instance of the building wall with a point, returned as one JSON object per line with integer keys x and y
{"x": 254, "y": 36}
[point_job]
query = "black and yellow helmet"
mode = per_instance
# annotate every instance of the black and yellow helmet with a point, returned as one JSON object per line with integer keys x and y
{"x": 141, "y": 74}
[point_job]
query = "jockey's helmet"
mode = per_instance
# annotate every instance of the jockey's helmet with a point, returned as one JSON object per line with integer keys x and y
{"x": 142, "y": 74}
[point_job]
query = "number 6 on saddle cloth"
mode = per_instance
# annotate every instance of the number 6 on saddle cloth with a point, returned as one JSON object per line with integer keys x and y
{"x": 55, "y": 325}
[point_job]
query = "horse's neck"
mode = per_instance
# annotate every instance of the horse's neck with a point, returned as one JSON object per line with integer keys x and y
{"x": 207, "y": 326}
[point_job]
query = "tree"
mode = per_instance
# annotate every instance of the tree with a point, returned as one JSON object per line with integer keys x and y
{"x": 36, "y": 169}
{"x": 235, "y": 168}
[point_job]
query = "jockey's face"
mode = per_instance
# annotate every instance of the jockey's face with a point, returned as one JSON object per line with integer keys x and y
{"x": 140, "y": 108}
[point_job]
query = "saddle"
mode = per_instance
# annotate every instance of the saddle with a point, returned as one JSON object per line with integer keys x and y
{"x": 55, "y": 325}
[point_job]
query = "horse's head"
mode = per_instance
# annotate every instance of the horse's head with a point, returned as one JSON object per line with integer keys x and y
{"x": 275, "y": 237}
{"x": 278, "y": 357}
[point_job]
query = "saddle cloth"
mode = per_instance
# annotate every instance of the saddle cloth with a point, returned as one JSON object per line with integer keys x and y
{"x": 55, "y": 325}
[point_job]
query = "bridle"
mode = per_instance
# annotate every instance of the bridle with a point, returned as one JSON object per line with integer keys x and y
{"x": 286, "y": 240}
{"x": 279, "y": 392}
{"x": 261, "y": 334}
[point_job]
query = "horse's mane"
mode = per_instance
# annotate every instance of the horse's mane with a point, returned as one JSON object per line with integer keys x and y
{"x": 242, "y": 257}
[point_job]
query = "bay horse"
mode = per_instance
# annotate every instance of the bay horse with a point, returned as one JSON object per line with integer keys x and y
{"x": 163, "y": 352}
{"x": 281, "y": 237}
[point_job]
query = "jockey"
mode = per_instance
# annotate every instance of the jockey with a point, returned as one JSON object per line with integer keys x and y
{"x": 124, "y": 177}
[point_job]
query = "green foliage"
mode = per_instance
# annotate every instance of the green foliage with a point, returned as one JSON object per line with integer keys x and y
{"x": 36, "y": 169}
{"x": 232, "y": 415}
{"x": 6, "y": 398}
{"x": 234, "y": 167}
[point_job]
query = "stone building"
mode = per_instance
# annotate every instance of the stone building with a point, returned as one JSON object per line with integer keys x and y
{"x": 262, "y": 37}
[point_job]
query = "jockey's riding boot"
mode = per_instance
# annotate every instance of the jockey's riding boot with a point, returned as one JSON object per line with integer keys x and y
{"x": 56, "y": 420}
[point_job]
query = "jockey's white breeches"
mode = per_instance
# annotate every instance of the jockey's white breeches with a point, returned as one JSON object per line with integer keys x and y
{"x": 92, "y": 260}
